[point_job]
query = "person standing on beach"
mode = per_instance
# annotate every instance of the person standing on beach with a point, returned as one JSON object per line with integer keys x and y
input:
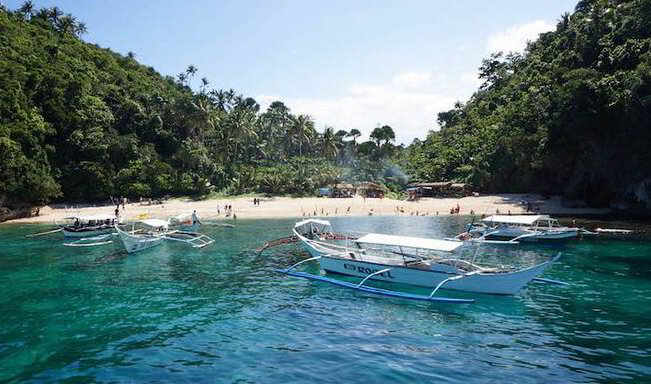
{"x": 195, "y": 219}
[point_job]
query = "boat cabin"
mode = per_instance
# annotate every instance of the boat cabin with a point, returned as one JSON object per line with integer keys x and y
{"x": 313, "y": 228}
{"x": 539, "y": 222}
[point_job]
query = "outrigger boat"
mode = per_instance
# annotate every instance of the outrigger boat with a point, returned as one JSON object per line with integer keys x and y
{"x": 313, "y": 227}
{"x": 507, "y": 229}
{"x": 416, "y": 261}
{"x": 153, "y": 232}
{"x": 88, "y": 226}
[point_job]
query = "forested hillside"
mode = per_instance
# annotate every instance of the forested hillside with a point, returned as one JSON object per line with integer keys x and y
{"x": 82, "y": 123}
{"x": 571, "y": 116}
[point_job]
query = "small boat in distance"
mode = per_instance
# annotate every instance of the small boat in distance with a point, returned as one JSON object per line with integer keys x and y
{"x": 152, "y": 232}
{"x": 518, "y": 228}
{"x": 410, "y": 260}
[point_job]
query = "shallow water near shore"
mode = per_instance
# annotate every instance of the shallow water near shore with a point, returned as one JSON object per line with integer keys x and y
{"x": 221, "y": 314}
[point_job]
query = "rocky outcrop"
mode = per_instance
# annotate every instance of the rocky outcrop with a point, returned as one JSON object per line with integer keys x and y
{"x": 7, "y": 213}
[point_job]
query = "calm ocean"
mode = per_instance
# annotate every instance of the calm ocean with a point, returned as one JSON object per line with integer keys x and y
{"x": 221, "y": 314}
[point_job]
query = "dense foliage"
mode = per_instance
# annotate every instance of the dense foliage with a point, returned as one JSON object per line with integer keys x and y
{"x": 78, "y": 122}
{"x": 571, "y": 116}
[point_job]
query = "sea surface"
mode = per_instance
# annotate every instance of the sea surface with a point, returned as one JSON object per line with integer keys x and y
{"x": 221, "y": 314}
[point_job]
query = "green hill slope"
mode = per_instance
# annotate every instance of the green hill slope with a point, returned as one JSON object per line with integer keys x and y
{"x": 572, "y": 116}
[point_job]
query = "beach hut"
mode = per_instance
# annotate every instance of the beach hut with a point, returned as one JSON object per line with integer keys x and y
{"x": 343, "y": 190}
{"x": 369, "y": 189}
{"x": 460, "y": 189}
{"x": 430, "y": 189}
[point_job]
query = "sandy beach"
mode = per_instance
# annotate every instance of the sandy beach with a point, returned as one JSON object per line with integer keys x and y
{"x": 283, "y": 207}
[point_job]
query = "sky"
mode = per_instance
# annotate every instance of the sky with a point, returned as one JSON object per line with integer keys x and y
{"x": 346, "y": 63}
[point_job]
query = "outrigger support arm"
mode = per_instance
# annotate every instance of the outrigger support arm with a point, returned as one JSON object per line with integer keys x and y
{"x": 515, "y": 239}
{"x": 373, "y": 274}
{"x": 301, "y": 262}
{"x": 456, "y": 277}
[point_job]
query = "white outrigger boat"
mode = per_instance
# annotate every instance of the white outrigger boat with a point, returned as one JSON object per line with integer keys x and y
{"x": 88, "y": 226}
{"x": 153, "y": 232}
{"x": 509, "y": 229}
{"x": 408, "y": 260}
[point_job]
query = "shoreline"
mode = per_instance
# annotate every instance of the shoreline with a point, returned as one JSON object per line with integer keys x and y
{"x": 289, "y": 207}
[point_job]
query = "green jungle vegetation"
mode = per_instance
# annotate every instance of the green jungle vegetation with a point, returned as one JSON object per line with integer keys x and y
{"x": 78, "y": 122}
{"x": 571, "y": 116}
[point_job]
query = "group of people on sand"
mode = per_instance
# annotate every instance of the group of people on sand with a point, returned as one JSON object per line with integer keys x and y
{"x": 228, "y": 211}
{"x": 324, "y": 212}
{"x": 256, "y": 201}
{"x": 455, "y": 210}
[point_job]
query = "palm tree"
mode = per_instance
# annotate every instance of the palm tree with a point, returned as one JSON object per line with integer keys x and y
{"x": 43, "y": 14}
{"x": 241, "y": 128}
{"x": 273, "y": 126}
{"x": 329, "y": 144}
{"x": 182, "y": 77}
{"x": 66, "y": 25}
{"x": 27, "y": 9}
{"x": 54, "y": 14}
{"x": 302, "y": 129}
{"x": 190, "y": 72}
{"x": 202, "y": 118}
{"x": 204, "y": 84}
{"x": 81, "y": 29}
{"x": 354, "y": 133}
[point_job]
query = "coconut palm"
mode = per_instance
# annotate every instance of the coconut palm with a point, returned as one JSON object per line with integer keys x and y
{"x": 329, "y": 144}
{"x": 27, "y": 9}
{"x": 81, "y": 29}
{"x": 66, "y": 25}
{"x": 53, "y": 14}
{"x": 302, "y": 130}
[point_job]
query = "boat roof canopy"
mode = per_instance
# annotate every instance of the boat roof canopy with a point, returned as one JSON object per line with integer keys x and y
{"x": 515, "y": 219}
{"x": 156, "y": 223}
{"x": 314, "y": 221}
{"x": 98, "y": 217}
{"x": 407, "y": 241}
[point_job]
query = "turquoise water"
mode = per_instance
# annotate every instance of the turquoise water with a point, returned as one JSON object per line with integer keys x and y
{"x": 220, "y": 314}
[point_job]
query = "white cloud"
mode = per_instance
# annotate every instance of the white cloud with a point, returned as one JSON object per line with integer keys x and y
{"x": 514, "y": 39}
{"x": 471, "y": 79}
{"x": 410, "y": 112}
{"x": 412, "y": 79}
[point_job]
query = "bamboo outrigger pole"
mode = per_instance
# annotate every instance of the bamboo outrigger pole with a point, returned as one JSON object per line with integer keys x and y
{"x": 45, "y": 233}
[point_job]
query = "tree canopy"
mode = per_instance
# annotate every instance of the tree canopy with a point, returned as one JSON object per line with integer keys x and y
{"x": 570, "y": 116}
{"x": 83, "y": 123}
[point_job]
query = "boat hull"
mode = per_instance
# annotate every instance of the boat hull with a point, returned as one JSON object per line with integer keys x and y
{"x": 86, "y": 233}
{"x": 490, "y": 283}
{"x": 534, "y": 236}
{"x": 507, "y": 283}
{"x": 137, "y": 243}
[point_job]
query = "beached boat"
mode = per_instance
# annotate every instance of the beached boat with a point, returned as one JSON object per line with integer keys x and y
{"x": 153, "y": 232}
{"x": 88, "y": 226}
{"x": 410, "y": 260}
{"x": 519, "y": 228}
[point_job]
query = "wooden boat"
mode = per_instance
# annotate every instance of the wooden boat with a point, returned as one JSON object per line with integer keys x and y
{"x": 153, "y": 232}
{"x": 410, "y": 260}
{"x": 510, "y": 229}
